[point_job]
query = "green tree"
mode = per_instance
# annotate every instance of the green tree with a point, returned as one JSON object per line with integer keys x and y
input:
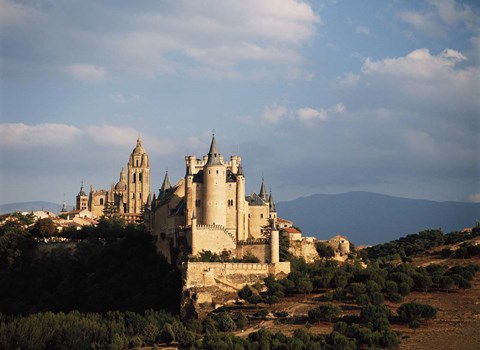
{"x": 225, "y": 322}
{"x": 324, "y": 312}
{"x": 245, "y": 292}
{"x": 416, "y": 311}
{"x": 44, "y": 227}
{"x": 167, "y": 335}
{"x": 324, "y": 250}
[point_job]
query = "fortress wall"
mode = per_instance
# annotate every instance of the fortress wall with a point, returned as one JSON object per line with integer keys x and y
{"x": 211, "y": 237}
{"x": 261, "y": 251}
{"x": 229, "y": 276}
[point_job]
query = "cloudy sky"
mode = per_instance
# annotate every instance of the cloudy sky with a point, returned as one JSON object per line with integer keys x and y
{"x": 320, "y": 96}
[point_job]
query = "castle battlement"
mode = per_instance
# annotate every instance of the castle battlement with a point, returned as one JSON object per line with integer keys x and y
{"x": 203, "y": 274}
{"x": 254, "y": 241}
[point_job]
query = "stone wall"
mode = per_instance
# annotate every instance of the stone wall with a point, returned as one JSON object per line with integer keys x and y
{"x": 214, "y": 238}
{"x": 304, "y": 248}
{"x": 229, "y": 276}
{"x": 207, "y": 286}
{"x": 260, "y": 250}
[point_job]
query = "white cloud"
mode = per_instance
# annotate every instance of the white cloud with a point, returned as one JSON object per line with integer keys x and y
{"x": 432, "y": 80}
{"x": 423, "y": 22}
{"x": 339, "y": 108}
{"x": 364, "y": 30}
{"x": 439, "y": 17}
{"x": 348, "y": 80}
{"x": 20, "y": 134}
{"x": 183, "y": 37}
{"x": 274, "y": 114}
{"x": 474, "y": 198}
{"x": 118, "y": 98}
{"x": 309, "y": 115}
{"x": 418, "y": 64}
{"x": 87, "y": 72}
{"x": 420, "y": 143}
{"x": 452, "y": 12}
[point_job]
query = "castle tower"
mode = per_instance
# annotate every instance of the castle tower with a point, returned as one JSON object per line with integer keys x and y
{"x": 272, "y": 208}
{"x": 214, "y": 190}
{"x": 82, "y": 199}
{"x": 274, "y": 245}
{"x": 138, "y": 179}
{"x": 242, "y": 225}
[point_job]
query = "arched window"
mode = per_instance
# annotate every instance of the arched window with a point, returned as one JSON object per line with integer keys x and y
{"x": 140, "y": 177}
{"x": 134, "y": 177}
{"x": 101, "y": 201}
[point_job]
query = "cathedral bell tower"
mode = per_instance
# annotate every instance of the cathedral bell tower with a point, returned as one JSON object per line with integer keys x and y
{"x": 82, "y": 199}
{"x": 138, "y": 179}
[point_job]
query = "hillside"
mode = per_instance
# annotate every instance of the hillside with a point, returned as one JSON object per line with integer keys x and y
{"x": 370, "y": 218}
{"x": 30, "y": 206}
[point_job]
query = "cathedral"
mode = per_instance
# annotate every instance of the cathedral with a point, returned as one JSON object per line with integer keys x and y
{"x": 128, "y": 197}
{"x": 208, "y": 210}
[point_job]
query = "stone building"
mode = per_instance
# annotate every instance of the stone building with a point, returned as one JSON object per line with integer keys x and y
{"x": 208, "y": 210}
{"x": 128, "y": 197}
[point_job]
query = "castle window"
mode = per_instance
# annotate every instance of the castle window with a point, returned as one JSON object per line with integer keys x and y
{"x": 140, "y": 177}
{"x": 217, "y": 172}
{"x": 134, "y": 177}
{"x": 101, "y": 201}
{"x": 133, "y": 195}
{"x": 140, "y": 195}
{"x": 197, "y": 203}
{"x": 261, "y": 216}
{"x": 137, "y": 162}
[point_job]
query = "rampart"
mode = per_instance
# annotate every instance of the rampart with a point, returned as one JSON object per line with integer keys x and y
{"x": 229, "y": 276}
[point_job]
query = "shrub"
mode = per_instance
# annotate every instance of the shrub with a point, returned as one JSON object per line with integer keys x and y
{"x": 323, "y": 312}
{"x": 245, "y": 292}
{"x": 416, "y": 311}
{"x": 167, "y": 335}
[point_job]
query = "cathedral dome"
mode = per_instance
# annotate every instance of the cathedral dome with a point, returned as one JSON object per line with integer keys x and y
{"x": 139, "y": 148}
{"x": 122, "y": 183}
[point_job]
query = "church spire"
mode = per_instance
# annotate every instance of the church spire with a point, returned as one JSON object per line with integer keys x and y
{"x": 64, "y": 205}
{"x": 263, "y": 191}
{"x": 82, "y": 191}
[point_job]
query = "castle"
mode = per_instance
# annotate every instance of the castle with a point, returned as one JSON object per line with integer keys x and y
{"x": 128, "y": 197}
{"x": 208, "y": 210}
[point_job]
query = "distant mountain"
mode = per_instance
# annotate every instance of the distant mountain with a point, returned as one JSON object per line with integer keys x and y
{"x": 370, "y": 218}
{"x": 29, "y": 206}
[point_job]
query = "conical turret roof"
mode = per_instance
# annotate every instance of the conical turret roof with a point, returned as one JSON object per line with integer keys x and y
{"x": 166, "y": 185}
{"x": 271, "y": 203}
{"x": 213, "y": 154}
{"x": 263, "y": 191}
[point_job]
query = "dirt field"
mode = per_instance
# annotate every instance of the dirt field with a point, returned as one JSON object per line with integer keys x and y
{"x": 457, "y": 325}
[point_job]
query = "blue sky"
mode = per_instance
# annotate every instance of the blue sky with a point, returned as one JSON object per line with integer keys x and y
{"x": 320, "y": 97}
